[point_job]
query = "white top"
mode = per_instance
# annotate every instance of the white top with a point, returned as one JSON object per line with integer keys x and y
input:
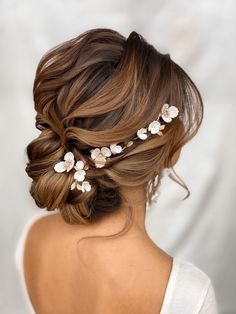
{"x": 189, "y": 289}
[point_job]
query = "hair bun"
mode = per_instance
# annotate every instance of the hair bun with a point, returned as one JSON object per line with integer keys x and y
{"x": 95, "y": 90}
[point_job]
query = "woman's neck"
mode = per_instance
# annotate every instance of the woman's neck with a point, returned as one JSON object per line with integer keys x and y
{"x": 134, "y": 197}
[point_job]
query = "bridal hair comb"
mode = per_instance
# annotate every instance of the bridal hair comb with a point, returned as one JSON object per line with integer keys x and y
{"x": 100, "y": 155}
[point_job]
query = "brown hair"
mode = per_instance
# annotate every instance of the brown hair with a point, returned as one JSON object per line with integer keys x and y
{"x": 100, "y": 88}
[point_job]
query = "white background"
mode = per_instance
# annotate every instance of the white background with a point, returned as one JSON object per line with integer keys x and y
{"x": 200, "y": 36}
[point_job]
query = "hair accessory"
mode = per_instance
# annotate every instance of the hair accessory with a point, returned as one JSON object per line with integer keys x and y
{"x": 67, "y": 165}
{"x": 100, "y": 155}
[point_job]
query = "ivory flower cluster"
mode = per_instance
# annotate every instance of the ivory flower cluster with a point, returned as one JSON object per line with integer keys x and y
{"x": 79, "y": 176}
{"x": 100, "y": 155}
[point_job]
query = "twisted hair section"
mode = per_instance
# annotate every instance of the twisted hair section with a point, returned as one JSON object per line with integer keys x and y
{"x": 100, "y": 88}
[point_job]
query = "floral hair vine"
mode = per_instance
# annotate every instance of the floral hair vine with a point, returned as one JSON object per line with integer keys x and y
{"x": 100, "y": 155}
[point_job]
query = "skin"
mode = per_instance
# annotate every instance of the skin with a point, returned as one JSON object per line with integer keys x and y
{"x": 128, "y": 274}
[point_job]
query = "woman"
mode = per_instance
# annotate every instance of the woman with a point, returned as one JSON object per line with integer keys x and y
{"x": 114, "y": 114}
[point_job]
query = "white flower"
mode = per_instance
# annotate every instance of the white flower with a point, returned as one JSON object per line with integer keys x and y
{"x": 79, "y": 165}
{"x": 100, "y": 155}
{"x": 155, "y": 127}
{"x": 79, "y": 175}
{"x": 142, "y": 133}
{"x": 167, "y": 113}
{"x": 115, "y": 149}
{"x": 65, "y": 165}
{"x": 85, "y": 187}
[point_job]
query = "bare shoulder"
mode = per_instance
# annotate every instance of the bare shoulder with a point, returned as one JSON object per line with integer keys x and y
{"x": 42, "y": 224}
{"x": 45, "y": 220}
{"x": 38, "y": 231}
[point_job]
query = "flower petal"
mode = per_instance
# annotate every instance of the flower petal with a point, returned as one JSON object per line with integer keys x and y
{"x": 87, "y": 186}
{"x": 100, "y": 163}
{"x": 69, "y": 165}
{"x": 95, "y": 152}
{"x": 79, "y": 175}
{"x": 112, "y": 148}
{"x": 73, "y": 185}
{"x": 78, "y": 186}
{"x": 165, "y": 107}
{"x": 142, "y": 133}
{"x": 173, "y": 111}
{"x": 113, "y": 145}
{"x": 151, "y": 125}
{"x": 154, "y": 127}
{"x": 69, "y": 156}
{"x": 106, "y": 151}
{"x": 166, "y": 119}
{"x": 86, "y": 167}
{"x": 154, "y": 130}
{"x": 143, "y": 136}
{"x": 81, "y": 187}
{"x": 115, "y": 149}
{"x": 79, "y": 165}
{"x": 60, "y": 167}
{"x": 118, "y": 149}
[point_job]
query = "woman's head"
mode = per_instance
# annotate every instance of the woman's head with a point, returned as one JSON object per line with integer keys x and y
{"x": 96, "y": 89}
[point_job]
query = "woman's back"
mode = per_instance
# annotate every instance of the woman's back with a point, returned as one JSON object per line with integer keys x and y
{"x": 129, "y": 274}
